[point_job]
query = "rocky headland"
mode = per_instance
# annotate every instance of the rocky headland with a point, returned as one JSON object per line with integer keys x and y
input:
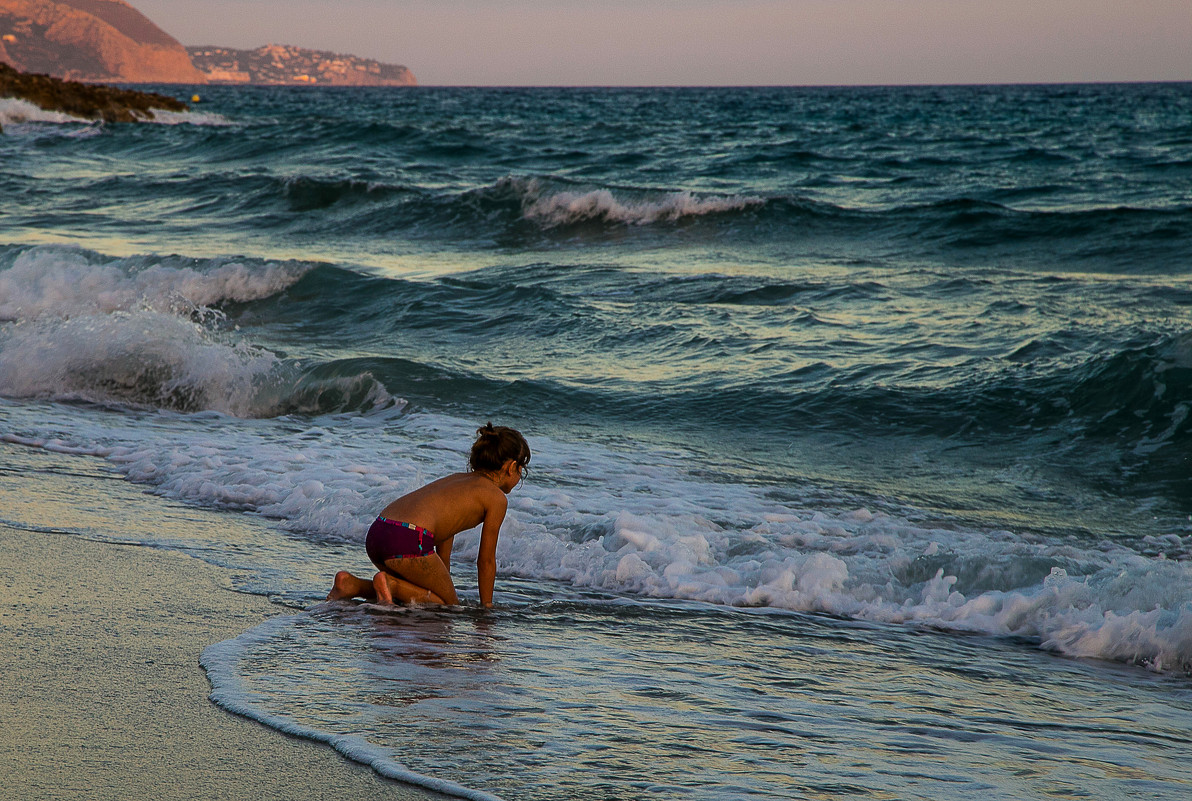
{"x": 109, "y": 41}
{"x": 82, "y": 100}
{"x": 91, "y": 40}
{"x": 289, "y": 65}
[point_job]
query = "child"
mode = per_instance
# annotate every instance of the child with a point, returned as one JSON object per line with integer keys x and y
{"x": 410, "y": 543}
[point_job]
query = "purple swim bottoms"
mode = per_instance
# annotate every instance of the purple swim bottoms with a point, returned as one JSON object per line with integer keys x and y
{"x": 392, "y": 539}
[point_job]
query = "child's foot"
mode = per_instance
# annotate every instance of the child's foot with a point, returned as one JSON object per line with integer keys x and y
{"x": 346, "y": 586}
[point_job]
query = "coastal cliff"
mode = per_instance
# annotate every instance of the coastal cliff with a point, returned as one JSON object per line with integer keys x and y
{"x": 109, "y": 41}
{"x": 91, "y": 40}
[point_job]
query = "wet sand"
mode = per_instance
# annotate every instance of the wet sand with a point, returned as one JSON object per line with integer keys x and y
{"x": 101, "y": 692}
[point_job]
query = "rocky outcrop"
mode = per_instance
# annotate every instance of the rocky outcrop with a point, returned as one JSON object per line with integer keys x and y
{"x": 91, "y": 40}
{"x": 86, "y": 101}
{"x": 289, "y": 65}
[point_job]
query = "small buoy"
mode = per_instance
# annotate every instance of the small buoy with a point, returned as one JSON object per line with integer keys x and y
{"x": 194, "y": 98}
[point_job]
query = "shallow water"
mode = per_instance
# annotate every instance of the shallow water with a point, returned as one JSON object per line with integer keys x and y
{"x": 859, "y": 417}
{"x": 566, "y": 699}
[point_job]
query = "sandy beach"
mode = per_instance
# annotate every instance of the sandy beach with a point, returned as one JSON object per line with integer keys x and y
{"x": 103, "y": 695}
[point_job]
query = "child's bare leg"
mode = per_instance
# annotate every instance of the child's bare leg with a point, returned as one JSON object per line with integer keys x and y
{"x": 349, "y": 586}
{"x": 409, "y": 593}
{"x": 381, "y": 585}
{"x": 390, "y": 587}
{"x": 426, "y": 573}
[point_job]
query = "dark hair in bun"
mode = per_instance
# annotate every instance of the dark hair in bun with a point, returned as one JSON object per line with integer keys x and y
{"x": 496, "y": 445}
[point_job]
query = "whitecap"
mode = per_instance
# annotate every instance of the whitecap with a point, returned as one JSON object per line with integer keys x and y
{"x": 553, "y": 208}
{"x": 50, "y": 281}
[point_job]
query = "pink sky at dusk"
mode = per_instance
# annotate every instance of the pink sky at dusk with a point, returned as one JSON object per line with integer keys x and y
{"x": 716, "y": 42}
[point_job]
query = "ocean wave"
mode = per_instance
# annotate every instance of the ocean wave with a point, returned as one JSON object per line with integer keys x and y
{"x": 191, "y": 117}
{"x": 513, "y": 209}
{"x": 1121, "y": 234}
{"x": 51, "y": 281}
{"x": 523, "y": 210}
{"x": 148, "y": 331}
{"x": 1132, "y": 399}
{"x": 645, "y": 525}
{"x": 142, "y": 358}
{"x": 307, "y": 193}
{"x": 1111, "y": 604}
{"x": 547, "y": 210}
{"x": 553, "y": 207}
{"x": 150, "y": 359}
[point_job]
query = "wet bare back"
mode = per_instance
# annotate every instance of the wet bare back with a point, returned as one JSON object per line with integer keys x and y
{"x": 446, "y": 507}
{"x": 449, "y": 505}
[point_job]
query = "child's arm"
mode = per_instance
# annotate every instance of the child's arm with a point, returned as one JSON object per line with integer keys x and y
{"x": 443, "y": 549}
{"x": 486, "y": 560}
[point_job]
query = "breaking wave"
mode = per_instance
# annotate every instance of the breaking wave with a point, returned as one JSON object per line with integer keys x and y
{"x": 147, "y": 331}
{"x": 67, "y": 282}
{"x": 552, "y": 208}
{"x": 14, "y": 112}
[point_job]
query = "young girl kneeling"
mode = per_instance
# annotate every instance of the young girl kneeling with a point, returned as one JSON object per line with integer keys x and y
{"x": 410, "y": 542}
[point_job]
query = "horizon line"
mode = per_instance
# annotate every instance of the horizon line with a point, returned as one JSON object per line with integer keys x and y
{"x": 924, "y": 85}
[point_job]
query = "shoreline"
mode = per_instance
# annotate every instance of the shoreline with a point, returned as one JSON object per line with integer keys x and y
{"x": 99, "y": 668}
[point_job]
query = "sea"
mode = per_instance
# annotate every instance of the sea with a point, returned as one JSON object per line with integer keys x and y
{"x": 860, "y": 420}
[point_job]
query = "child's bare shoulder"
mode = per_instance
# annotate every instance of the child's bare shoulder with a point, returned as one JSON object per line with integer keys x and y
{"x": 491, "y": 496}
{"x": 455, "y": 481}
{"x": 475, "y": 485}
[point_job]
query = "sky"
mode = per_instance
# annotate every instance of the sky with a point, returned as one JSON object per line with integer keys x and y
{"x": 715, "y": 42}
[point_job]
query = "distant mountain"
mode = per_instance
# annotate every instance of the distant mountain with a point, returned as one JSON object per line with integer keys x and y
{"x": 109, "y": 41}
{"x": 91, "y": 40}
{"x": 284, "y": 64}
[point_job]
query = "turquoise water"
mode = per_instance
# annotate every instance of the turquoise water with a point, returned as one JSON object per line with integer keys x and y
{"x": 860, "y": 417}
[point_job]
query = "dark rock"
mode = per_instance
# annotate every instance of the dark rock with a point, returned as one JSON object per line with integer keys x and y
{"x": 87, "y": 101}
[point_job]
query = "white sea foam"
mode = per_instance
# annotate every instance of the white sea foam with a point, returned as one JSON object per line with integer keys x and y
{"x": 141, "y": 358}
{"x": 190, "y": 117}
{"x": 556, "y": 208}
{"x": 66, "y": 282}
{"x": 14, "y": 111}
{"x": 143, "y": 332}
{"x": 642, "y": 524}
{"x": 146, "y": 358}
